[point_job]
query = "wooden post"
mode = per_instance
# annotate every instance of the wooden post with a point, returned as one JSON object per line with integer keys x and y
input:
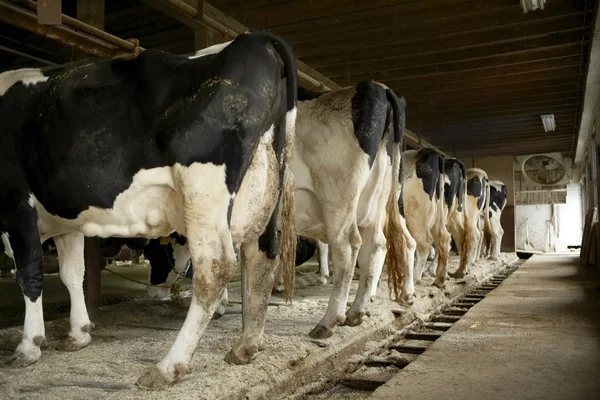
{"x": 49, "y": 12}
{"x": 92, "y": 12}
{"x": 203, "y": 35}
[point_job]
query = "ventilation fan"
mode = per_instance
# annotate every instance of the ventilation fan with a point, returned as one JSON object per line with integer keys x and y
{"x": 544, "y": 169}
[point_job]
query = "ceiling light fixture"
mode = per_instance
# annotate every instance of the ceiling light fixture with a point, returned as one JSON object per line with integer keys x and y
{"x": 548, "y": 121}
{"x": 532, "y": 5}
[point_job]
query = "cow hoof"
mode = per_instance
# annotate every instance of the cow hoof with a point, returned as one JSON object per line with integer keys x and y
{"x": 408, "y": 300}
{"x": 458, "y": 275}
{"x": 321, "y": 332}
{"x": 322, "y": 280}
{"x": 72, "y": 344}
{"x": 279, "y": 288}
{"x": 153, "y": 379}
{"x": 219, "y": 312}
{"x": 440, "y": 285}
{"x": 354, "y": 318}
{"x": 241, "y": 356}
{"x": 21, "y": 360}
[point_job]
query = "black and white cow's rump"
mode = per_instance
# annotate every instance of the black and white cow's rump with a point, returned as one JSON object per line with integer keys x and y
{"x": 346, "y": 169}
{"x": 476, "y": 203}
{"x": 455, "y": 176}
{"x": 493, "y": 231}
{"x": 425, "y": 210}
{"x": 142, "y": 147}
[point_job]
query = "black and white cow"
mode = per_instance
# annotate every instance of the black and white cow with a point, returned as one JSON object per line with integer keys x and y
{"x": 346, "y": 175}
{"x": 476, "y": 203}
{"x": 455, "y": 176}
{"x": 494, "y": 232}
{"x": 141, "y": 147}
{"x": 425, "y": 210}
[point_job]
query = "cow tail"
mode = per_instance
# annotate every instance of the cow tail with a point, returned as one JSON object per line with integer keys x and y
{"x": 288, "y": 238}
{"x": 442, "y": 252}
{"x": 488, "y": 234}
{"x": 395, "y": 258}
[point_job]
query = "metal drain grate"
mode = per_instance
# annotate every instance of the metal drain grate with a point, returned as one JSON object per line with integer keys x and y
{"x": 367, "y": 375}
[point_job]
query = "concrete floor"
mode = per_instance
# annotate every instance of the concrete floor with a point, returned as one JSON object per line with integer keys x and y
{"x": 537, "y": 336}
{"x": 56, "y": 297}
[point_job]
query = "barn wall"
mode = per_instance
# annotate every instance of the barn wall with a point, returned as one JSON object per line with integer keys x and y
{"x": 545, "y": 233}
{"x": 501, "y": 168}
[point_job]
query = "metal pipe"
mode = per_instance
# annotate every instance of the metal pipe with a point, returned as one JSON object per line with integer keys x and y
{"x": 192, "y": 12}
{"x": 24, "y": 19}
{"x": 130, "y": 46}
{"x": 22, "y": 54}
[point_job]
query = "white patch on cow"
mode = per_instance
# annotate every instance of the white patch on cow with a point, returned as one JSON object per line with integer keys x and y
{"x": 214, "y": 49}
{"x": 149, "y": 207}
{"x": 31, "y": 200}
{"x": 7, "y": 248}
{"x": 446, "y": 179}
{"x": 72, "y": 266}
{"x": 27, "y": 76}
{"x": 259, "y": 188}
{"x": 33, "y": 330}
{"x": 290, "y": 123}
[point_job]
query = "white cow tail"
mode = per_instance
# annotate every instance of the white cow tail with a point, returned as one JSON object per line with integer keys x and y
{"x": 395, "y": 258}
{"x": 488, "y": 233}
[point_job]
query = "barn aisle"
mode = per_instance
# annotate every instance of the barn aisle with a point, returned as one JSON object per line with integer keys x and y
{"x": 537, "y": 336}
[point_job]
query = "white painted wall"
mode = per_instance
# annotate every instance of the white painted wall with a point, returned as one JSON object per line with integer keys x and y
{"x": 548, "y": 236}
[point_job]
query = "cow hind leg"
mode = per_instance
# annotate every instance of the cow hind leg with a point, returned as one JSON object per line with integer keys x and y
{"x": 344, "y": 243}
{"x": 221, "y": 307}
{"x": 70, "y": 256}
{"x": 214, "y": 261}
{"x": 22, "y": 243}
{"x": 323, "y": 250}
{"x": 370, "y": 258}
{"x": 261, "y": 271}
{"x": 424, "y": 241}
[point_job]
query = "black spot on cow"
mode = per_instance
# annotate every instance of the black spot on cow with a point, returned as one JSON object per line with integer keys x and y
{"x": 456, "y": 173}
{"x": 429, "y": 166}
{"x": 497, "y": 198}
{"x": 370, "y": 113}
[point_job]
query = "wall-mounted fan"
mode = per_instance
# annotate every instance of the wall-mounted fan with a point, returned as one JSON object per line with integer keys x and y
{"x": 544, "y": 169}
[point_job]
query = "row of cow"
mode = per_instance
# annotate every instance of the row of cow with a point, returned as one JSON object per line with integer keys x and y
{"x": 222, "y": 152}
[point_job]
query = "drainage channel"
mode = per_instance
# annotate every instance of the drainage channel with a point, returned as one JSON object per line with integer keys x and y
{"x": 377, "y": 366}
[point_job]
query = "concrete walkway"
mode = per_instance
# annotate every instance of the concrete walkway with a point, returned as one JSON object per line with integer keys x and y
{"x": 537, "y": 336}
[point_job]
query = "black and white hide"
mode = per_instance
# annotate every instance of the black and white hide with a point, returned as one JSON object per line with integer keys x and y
{"x": 494, "y": 232}
{"x": 425, "y": 210}
{"x": 346, "y": 170}
{"x": 144, "y": 146}
{"x": 476, "y": 205}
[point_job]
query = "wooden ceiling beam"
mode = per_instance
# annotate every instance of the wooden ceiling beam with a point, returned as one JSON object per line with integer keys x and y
{"x": 519, "y": 119}
{"x": 282, "y": 18}
{"x": 442, "y": 118}
{"x": 437, "y": 86}
{"x": 452, "y": 29}
{"x": 501, "y": 92}
{"x": 422, "y": 42}
{"x": 415, "y": 77}
{"x": 495, "y": 106}
{"x": 387, "y": 61}
{"x": 481, "y": 133}
{"x": 517, "y": 97}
